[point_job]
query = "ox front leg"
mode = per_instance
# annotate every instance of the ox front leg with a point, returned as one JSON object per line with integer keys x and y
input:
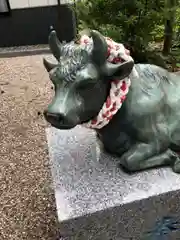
{"x": 144, "y": 156}
{"x": 176, "y": 165}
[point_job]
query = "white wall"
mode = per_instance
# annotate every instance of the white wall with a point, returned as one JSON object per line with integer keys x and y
{"x": 3, "y": 6}
{"x": 16, "y": 4}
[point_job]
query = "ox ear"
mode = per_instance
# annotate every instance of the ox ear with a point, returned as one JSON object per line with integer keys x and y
{"x": 48, "y": 65}
{"x": 121, "y": 70}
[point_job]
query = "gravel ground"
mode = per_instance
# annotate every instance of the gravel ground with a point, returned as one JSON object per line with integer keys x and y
{"x": 27, "y": 206}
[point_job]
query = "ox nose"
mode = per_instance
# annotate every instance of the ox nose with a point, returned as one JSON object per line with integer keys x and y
{"x": 58, "y": 120}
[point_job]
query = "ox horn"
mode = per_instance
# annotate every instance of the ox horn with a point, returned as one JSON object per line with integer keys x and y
{"x": 55, "y": 44}
{"x": 48, "y": 65}
{"x": 100, "y": 48}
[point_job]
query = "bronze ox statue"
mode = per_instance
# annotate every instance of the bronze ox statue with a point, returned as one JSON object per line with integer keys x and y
{"x": 145, "y": 131}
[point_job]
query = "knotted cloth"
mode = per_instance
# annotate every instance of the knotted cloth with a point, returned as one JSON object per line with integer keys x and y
{"x": 119, "y": 88}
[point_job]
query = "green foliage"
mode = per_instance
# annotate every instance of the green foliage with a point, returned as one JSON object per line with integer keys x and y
{"x": 135, "y": 23}
{"x": 177, "y": 25}
{"x": 130, "y": 21}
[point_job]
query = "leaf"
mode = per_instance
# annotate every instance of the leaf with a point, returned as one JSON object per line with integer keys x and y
{"x": 134, "y": 22}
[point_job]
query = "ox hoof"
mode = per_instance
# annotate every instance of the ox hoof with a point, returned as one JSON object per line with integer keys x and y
{"x": 176, "y": 167}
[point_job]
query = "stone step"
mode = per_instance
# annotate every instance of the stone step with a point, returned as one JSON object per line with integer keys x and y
{"x": 97, "y": 200}
{"x": 17, "y": 51}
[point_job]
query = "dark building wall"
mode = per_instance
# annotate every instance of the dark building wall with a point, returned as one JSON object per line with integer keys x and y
{"x": 32, "y": 25}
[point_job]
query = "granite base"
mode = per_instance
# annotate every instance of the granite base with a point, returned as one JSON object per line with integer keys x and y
{"x": 97, "y": 200}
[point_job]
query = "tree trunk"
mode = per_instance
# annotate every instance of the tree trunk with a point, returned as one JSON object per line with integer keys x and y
{"x": 169, "y": 24}
{"x": 168, "y": 36}
{"x": 75, "y": 19}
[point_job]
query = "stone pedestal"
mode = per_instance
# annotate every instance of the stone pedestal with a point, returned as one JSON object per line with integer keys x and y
{"x": 96, "y": 200}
